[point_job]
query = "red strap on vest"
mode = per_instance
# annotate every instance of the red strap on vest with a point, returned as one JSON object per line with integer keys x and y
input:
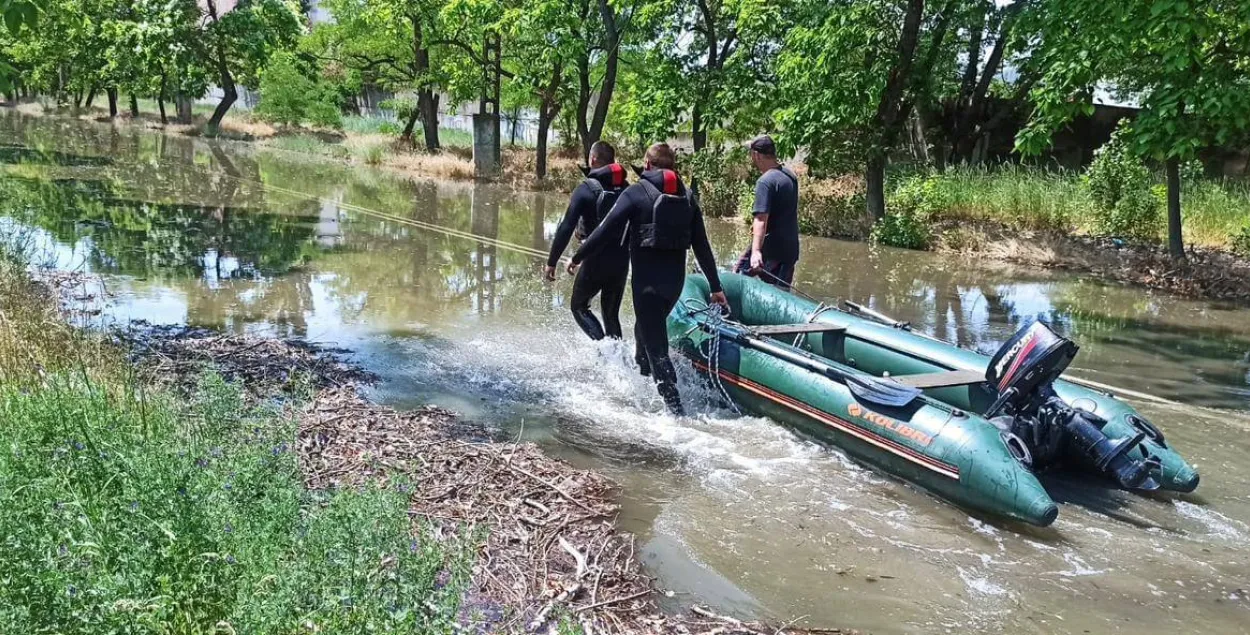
{"x": 670, "y": 182}
{"x": 618, "y": 174}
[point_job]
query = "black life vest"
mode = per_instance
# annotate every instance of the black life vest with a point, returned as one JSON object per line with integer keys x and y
{"x": 605, "y": 198}
{"x": 671, "y": 217}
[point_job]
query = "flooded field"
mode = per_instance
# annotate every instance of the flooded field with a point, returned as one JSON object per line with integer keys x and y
{"x": 435, "y": 286}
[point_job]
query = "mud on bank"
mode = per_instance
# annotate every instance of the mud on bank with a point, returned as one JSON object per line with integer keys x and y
{"x": 549, "y": 553}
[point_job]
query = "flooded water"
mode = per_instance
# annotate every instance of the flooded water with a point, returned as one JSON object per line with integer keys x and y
{"x": 435, "y": 287}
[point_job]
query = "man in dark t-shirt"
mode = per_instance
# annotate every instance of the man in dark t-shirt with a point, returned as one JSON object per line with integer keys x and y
{"x": 774, "y": 249}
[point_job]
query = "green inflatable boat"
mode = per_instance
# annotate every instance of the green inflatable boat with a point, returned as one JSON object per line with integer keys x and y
{"x": 970, "y": 428}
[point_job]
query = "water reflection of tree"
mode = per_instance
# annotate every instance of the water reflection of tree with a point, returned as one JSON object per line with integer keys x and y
{"x": 444, "y": 275}
{"x": 283, "y": 303}
{"x": 140, "y": 237}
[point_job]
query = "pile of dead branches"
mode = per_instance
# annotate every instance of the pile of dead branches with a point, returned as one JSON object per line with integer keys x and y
{"x": 264, "y": 366}
{"x": 550, "y": 550}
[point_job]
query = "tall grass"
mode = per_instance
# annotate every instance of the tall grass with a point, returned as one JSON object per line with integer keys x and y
{"x": 1015, "y": 196}
{"x": 1215, "y": 211}
{"x": 128, "y": 510}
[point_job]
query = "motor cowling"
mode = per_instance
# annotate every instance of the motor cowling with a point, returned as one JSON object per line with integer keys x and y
{"x": 1032, "y": 359}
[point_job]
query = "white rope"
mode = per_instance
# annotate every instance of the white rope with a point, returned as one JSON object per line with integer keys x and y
{"x": 821, "y": 308}
{"x": 715, "y": 316}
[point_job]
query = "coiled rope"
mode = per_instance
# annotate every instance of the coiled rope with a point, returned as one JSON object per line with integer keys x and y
{"x": 714, "y": 316}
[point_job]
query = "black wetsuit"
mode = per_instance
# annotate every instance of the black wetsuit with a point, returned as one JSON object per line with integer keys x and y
{"x": 604, "y": 274}
{"x": 658, "y": 276}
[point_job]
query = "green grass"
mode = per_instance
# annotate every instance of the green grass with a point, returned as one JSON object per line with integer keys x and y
{"x": 371, "y": 125}
{"x": 1215, "y": 210}
{"x": 1015, "y": 196}
{"x": 455, "y": 138}
{"x": 125, "y": 509}
{"x": 307, "y": 144}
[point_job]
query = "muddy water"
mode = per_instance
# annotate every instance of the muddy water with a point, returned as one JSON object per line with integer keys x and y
{"x": 732, "y": 511}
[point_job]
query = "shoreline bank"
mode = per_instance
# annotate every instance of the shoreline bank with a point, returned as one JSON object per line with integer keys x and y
{"x": 540, "y": 549}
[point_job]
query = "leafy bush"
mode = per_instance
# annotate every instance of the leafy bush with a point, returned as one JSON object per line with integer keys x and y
{"x": 1241, "y": 242}
{"x": 1120, "y": 185}
{"x": 723, "y": 178}
{"x": 833, "y": 208}
{"x": 288, "y": 97}
{"x": 323, "y": 110}
{"x": 284, "y": 91}
{"x": 908, "y": 214}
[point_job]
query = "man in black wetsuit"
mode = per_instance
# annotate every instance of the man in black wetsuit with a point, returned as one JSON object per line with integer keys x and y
{"x": 774, "y": 248}
{"x": 605, "y": 274}
{"x": 661, "y": 222}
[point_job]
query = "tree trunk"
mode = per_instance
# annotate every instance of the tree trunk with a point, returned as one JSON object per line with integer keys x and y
{"x": 112, "y": 93}
{"x": 134, "y": 106}
{"x": 540, "y": 158}
{"x": 77, "y": 101}
{"x": 230, "y": 94}
{"x": 875, "y": 179}
{"x": 160, "y": 102}
{"x": 971, "y": 105}
{"x": 427, "y": 104}
{"x": 583, "y": 102}
{"x": 409, "y": 126}
{"x": 182, "y": 103}
{"x": 516, "y": 120}
{"x": 698, "y": 133}
{"x": 1176, "y": 245}
{"x": 90, "y": 96}
{"x": 590, "y": 131}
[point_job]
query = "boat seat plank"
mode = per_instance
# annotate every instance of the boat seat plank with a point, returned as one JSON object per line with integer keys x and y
{"x": 941, "y": 379}
{"x": 790, "y": 329}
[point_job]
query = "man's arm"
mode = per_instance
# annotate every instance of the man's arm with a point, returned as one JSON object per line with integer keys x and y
{"x": 759, "y": 227}
{"x": 577, "y": 204}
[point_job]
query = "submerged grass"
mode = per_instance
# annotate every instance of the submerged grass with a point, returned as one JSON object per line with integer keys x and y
{"x": 129, "y": 509}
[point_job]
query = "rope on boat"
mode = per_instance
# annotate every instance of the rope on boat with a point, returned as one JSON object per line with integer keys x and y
{"x": 821, "y": 308}
{"x": 715, "y": 316}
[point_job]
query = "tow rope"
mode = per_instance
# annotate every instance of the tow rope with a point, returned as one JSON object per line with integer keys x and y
{"x": 714, "y": 315}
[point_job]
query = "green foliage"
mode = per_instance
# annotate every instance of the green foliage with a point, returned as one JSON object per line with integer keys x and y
{"x": 290, "y": 98}
{"x": 285, "y": 92}
{"x": 723, "y": 178}
{"x": 832, "y": 210}
{"x": 126, "y": 512}
{"x": 1241, "y": 242}
{"x": 1119, "y": 184}
{"x": 911, "y": 209}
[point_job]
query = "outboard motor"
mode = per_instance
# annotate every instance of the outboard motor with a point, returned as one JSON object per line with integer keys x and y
{"x": 1023, "y": 372}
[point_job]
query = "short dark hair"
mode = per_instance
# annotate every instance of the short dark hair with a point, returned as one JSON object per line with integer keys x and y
{"x": 661, "y": 156}
{"x": 764, "y": 145}
{"x": 603, "y": 151}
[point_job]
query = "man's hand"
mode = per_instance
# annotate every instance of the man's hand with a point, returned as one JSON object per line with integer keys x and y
{"x": 549, "y": 273}
{"x": 757, "y": 260}
{"x": 573, "y": 268}
{"x": 719, "y": 298}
